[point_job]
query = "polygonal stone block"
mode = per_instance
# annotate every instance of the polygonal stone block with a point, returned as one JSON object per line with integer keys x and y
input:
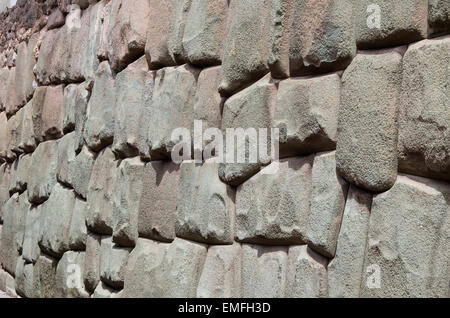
{"x": 113, "y": 260}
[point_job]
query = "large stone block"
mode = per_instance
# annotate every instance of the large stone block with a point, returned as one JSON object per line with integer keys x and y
{"x": 172, "y": 103}
{"x": 56, "y": 216}
{"x": 10, "y": 102}
{"x": 408, "y": 245}
{"x": 66, "y": 157}
{"x": 383, "y": 23}
{"x": 205, "y": 31}
{"x": 53, "y": 113}
{"x": 5, "y": 138}
{"x": 78, "y": 230}
{"x": 367, "y": 130}
{"x": 99, "y": 126}
{"x": 157, "y": 270}
{"x": 127, "y": 32}
{"x": 127, "y": 192}
{"x": 176, "y": 30}
{"x": 264, "y": 271}
{"x": 306, "y": 113}
{"x": 306, "y": 273}
{"x": 27, "y": 282}
{"x": 246, "y": 50}
{"x": 80, "y": 169}
{"x": 20, "y": 173}
{"x": 158, "y": 202}
{"x": 274, "y": 208}
{"x": 91, "y": 270}
{"x": 250, "y": 109}
{"x": 438, "y": 16}
{"x": 31, "y": 251}
{"x": 100, "y": 194}
{"x": 328, "y": 195}
{"x": 41, "y": 181}
{"x": 134, "y": 90}
{"x": 345, "y": 271}
{"x": 15, "y": 131}
{"x": 69, "y": 276}
{"x": 221, "y": 275}
{"x": 46, "y": 267}
{"x": 424, "y": 119}
{"x": 113, "y": 260}
{"x": 5, "y": 177}
{"x": 28, "y": 138}
{"x": 205, "y": 211}
{"x": 4, "y": 78}
{"x": 322, "y": 36}
{"x": 7, "y": 284}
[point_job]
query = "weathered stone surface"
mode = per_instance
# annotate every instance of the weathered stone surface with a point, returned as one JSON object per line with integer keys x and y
{"x": 164, "y": 270}
{"x": 221, "y": 275}
{"x": 158, "y": 202}
{"x": 46, "y": 267}
{"x": 36, "y": 113}
{"x": 128, "y": 32}
{"x": 4, "y": 78}
{"x": 400, "y": 22}
{"x": 66, "y": 156}
{"x": 176, "y": 30}
{"x": 31, "y": 251}
{"x": 205, "y": 211}
{"x": 159, "y": 21}
{"x": 134, "y": 89}
{"x": 80, "y": 169}
{"x": 5, "y": 138}
{"x": 4, "y": 186}
{"x": 322, "y": 36}
{"x": 7, "y": 284}
{"x": 306, "y": 113}
{"x": 100, "y": 194}
{"x": 92, "y": 261}
{"x": 274, "y": 208}
{"x": 409, "y": 240}
{"x": 346, "y": 269}
{"x": 172, "y": 103}
{"x": 53, "y": 113}
{"x": 75, "y": 105}
{"x": 424, "y": 119}
{"x": 263, "y": 271}
{"x": 127, "y": 192}
{"x": 20, "y": 172}
{"x": 56, "y": 216}
{"x": 246, "y": 51}
{"x": 438, "y": 16}
{"x": 10, "y": 102}
{"x": 205, "y": 31}
{"x": 15, "y": 131}
{"x": 103, "y": 291}
{"x": 367, "y": 131}
{"x": 99, "y": 127}
{"x": 306, "y": 273}
{"x": 328, "y": 195}
{"x": 69, "y": 276}
{"x": 27, "y": 137}
{"x": 77, "y": 230}
{"x": 251, "y": 108}
{"x": 113, "y": 261}
{"x": 55, "y": 20}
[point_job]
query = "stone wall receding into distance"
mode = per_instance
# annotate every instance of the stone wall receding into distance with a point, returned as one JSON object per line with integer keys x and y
{"x": 91, "y": 204}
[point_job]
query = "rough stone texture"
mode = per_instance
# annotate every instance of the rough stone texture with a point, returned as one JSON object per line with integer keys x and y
{"x": 4, "y": 186}
{"x": 128, "y": 31}
{"x": 438, "y": 16}
{"x": 158, "y": 202}
{"x": 306, "y": 113}
{"x": 322, "y": 36}
{"x": 172, "y": 103}
{"x": 164, "y": 270}
{"x": 91, "y": 269}
{"x": 328, "y": 195}
{"x": 103, "y": 291}
{"x": 367, "y": 131}
{"x": 424, "y": 120}
{"x": 205, "y": 211}
{"x": 134, "y": 88}
{"x": 205, "y": 30}
{"x": 46, "y": 266}
{"x": 5, "y": 137}
{"x": 401, "y": 22}
{"x": 66, "y": 157}
{"x": 56, "y": 217}
{"x": 24, "y": 76}
{"x": 264, "y": 271}
{"x": 20, "y": 171}
{"x": 99, "y": 126}
{"x": 409, "y": 240}
{"x": 15, "y": 131}
{"x": 346, "y": 269}
{"x": 246, "y": 49}
{"x": 31, "y": 251}
{"x": 274, "y": 208}
{"x": 127, "y": 192}
{"x": 306, "y": 273}
{"x": 221, "y": 275}
{"x": 113, "y": 260}
{"x": 77, "y": 230}
{"x": 177, "y": 26}
{"x": 251, "y": 108}
{"x": 4, "y": 78}
{"x": 69, "y": 276}
{"x": 52, "y": 115}
{"x": 100, "y": 194}
{"x": 28, "y": 137}
{"x": 80, "y": 169}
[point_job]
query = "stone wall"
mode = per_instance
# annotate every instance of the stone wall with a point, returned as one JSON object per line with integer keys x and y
{"x": 92, "y": 205}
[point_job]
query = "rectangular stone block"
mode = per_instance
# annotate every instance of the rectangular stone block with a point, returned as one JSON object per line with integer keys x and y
{"x": 20, "y": 174}
{"x": 264, "y": 271}
{"x": 15, "y": 132}
{"x": 31, "y": 250}
{"x": 274, "y": 208}
{"x": 126, "y": 195}
{"x": 328, "y": 195}
{"x": 78, "y": 230}
{"x": 158, "y": 202}
{"x": 69, "y": 279}
{"x": 4, "y": 187}
{"x": 53, "y": 113}
{"x": 91, "y": 269}
{"x": 367, "y": 129}
{"x": 46, "y": 267}
{"x": 28, "y": 138}
{"x": 113, "y": 260}
{"x": 4, "y": 78}
{"x": 5, "y": 138}
{"x": 205, "y": 211}
{"x": 424, "y": 116}
{"x": 176, "y": 30}
{"x": 306, "y": 113}
{"x": 80, "y": 169}
{"x": 66, "y": 157}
